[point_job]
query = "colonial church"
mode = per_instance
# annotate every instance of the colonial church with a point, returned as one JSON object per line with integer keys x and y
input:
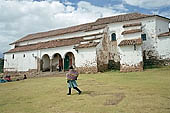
{"x": 126, "y": 42}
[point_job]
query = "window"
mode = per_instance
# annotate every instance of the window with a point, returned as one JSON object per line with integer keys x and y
{"x": 143, "y": 36}
{"x": 113, "y": 36}
{"x": 134, "y": 46}
{"x": 13, "y": 56}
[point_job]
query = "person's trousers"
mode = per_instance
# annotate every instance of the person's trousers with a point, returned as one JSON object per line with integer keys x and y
{"x": 76, "y": 88}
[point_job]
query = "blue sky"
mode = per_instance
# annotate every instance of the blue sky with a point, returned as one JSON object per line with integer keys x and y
{"x": 23, "y": 17}
{"x": 139, "y": 7}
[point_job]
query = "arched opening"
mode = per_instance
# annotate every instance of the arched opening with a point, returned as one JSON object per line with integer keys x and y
{"x": 57, "y": 62}
{"x": 69, "y": 60}
{"x": 45, "y": 63}
{"x": 113, "y": 36}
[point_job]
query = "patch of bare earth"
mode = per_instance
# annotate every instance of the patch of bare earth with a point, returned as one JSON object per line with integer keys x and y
{"x": 115, "y": 99}
{"x": 112, "y": 98}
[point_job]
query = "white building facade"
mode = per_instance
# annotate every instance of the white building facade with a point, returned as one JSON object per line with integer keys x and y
{"x": 127, "y": 42}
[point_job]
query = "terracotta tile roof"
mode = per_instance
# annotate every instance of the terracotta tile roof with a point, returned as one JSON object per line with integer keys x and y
{"x": 132, "y": 24}
{"x": 164, "y": 34}
{"x": 53, "y": 33}
{"x": 121, "y": 18}
{"x": 131, "y": 31}
{"x": 55, "y": 43}
{"x": 49, "y": 44}
{"x": 95, "y": 27}
{"x": 131, "y": 42}
{"x": 85, "y": 27}
{"x": 87, "y": 45}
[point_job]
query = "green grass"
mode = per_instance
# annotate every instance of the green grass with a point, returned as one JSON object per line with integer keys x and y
{"x": 109, "y": 92}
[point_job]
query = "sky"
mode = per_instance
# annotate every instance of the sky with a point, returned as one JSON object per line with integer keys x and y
{"x": 19, "y": 18}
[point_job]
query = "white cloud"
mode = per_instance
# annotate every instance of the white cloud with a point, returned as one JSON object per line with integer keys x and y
{"x": 148, "y": 4}
{"x": 165, "y": 14}
{"x": 162, "y": 13}
{"x": 120, "y": 7}
{"x": 22, "y": 17}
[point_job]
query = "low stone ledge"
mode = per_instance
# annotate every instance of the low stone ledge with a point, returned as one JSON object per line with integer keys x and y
{"x": 29, "y": 73}
{"x": 87, "y": 70}
{"x": 132, "y": 68}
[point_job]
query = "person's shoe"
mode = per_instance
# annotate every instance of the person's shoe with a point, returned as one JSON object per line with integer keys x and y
{"x": 68, "y": 93}
{"x": 80, "y": 92}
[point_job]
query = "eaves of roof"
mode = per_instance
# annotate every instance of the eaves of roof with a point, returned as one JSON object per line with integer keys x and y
{"x": 137, "y": 41}
{"x": 164, "y": 34}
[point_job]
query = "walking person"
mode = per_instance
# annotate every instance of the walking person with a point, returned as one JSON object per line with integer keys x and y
{"x": 71, "y": 80}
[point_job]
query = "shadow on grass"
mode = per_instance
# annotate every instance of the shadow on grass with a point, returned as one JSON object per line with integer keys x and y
{"x": 112, "y": 98}
{"x": 84, "y": 93}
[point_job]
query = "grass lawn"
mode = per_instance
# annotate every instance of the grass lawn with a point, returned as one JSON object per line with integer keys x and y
{"x": 109, "y": 92}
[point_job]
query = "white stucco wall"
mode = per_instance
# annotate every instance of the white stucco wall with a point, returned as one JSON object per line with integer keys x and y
{"x": 86, "y": 57}
{"x": 131, "y": 36}
{"x": 148, "y": 27}
{"x": 132, "y": 27}
{"x": 152, "y": 27}
{"x": 163, "y": 47}
{"x": 162, "y": 43}
{"x": 116, "y": 28}
{"x": 12, "y": 46}
{"x": 129, "y": 56}
{"x": 20, "y": 63}
{"x": 162, "y": 25}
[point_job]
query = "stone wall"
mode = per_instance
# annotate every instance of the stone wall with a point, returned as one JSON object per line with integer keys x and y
{"x": 152, "y": 58}
{"x": 103, "y": 53}
{"x": 30, "y": 73}
{"x": 131, "y": 68}
{"x": 87, "y": 70}
{"x": 114, "y": 56}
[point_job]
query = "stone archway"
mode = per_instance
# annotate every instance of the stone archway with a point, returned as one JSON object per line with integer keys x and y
{"x": 45, "y": 63}
{"x": 69, "y": 60}
{"x": 57, "y": 61}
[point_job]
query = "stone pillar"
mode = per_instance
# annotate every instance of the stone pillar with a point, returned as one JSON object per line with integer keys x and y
{"x": 63, "y": 64}
{"x": 38, "y": 65}
{"x": 51, "y": 67}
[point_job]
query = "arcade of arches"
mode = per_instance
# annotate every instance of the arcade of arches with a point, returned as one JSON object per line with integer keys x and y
{"x": 57, "y": 63}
